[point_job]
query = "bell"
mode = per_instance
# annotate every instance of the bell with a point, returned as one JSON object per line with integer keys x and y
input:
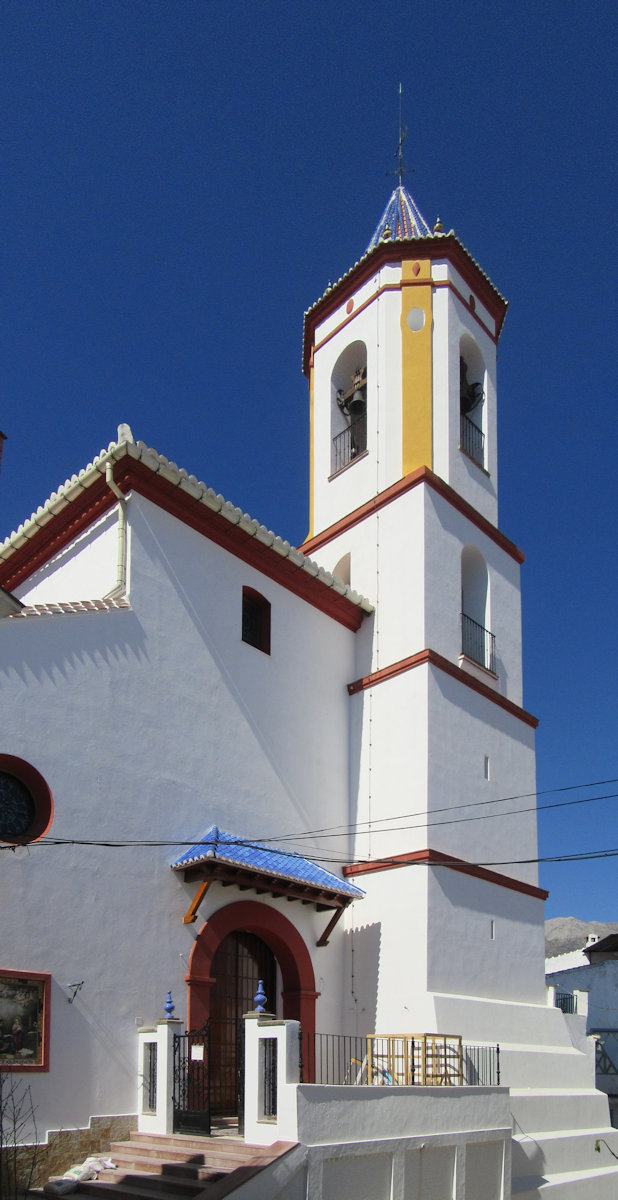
{"x": 357, "y": 406}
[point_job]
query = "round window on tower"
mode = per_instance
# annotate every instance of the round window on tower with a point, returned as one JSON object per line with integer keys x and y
{"x": 26, "y": 803}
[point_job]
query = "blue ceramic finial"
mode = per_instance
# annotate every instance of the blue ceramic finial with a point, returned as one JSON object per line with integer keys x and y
{"x": 169, "y": 1006}
{"x": 260, "y": 998}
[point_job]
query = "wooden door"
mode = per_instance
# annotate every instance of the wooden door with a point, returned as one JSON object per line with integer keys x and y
{"x": 240, "y": 962}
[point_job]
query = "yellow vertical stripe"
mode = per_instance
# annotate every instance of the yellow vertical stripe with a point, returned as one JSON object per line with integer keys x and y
{"x": 416, "y": 369}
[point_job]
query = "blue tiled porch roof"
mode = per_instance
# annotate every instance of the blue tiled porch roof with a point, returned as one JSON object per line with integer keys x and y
{"x": 219, "y": 846}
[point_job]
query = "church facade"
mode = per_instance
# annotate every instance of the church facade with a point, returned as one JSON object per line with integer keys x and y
{"x": 226, "y": 759}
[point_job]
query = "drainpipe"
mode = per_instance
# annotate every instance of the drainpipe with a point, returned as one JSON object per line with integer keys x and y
{"x": 120, "y": 588}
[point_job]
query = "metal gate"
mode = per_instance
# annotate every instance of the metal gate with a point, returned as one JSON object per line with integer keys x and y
{"x": 209, "y": 1067}
{"x": 192, "y": 1081}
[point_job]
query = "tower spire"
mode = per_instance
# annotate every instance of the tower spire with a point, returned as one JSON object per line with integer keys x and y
{"x": 403, "y": 133}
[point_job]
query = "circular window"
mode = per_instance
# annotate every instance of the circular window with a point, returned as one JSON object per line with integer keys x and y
{"x": 26, "y": 803}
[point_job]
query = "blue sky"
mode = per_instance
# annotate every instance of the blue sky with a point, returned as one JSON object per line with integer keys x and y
{"x": 181, "y": 179}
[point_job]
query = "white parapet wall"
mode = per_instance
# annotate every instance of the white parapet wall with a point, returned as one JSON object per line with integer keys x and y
{"x": 389, "y": 1143}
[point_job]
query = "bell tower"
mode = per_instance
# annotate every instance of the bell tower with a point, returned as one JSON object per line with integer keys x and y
{"x": 401, "y": 359}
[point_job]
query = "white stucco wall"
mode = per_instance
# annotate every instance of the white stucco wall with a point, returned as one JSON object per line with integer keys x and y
{"x": 483, "y": 940}
{"x": 86, "y": 569}
{"x": 447, "y": 532}
{"x": 452, "y": 321}
{"x": 156, "y": 723}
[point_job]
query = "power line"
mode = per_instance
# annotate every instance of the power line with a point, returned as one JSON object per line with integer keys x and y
{"x": 585, "y": 856}
{"x": 356, "y": 827}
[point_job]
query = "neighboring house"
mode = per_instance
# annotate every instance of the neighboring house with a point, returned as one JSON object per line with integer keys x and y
{"x": 226, "y": 760}
{"x": 593, "y": 969}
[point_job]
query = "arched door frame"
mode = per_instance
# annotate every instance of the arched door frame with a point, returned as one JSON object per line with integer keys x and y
{"x": 287, "y": 945}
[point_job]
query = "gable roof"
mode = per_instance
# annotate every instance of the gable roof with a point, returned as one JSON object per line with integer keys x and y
{"x": 136, "y": 467}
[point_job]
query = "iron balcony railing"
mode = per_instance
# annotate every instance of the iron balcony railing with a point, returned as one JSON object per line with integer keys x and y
{"x": 566, "y": 1002}
{"x": 348, "y": 444}
{"x": 472, "y": 440}
{"x": 478, "y": 643}
{"x": 422, "y": 1060}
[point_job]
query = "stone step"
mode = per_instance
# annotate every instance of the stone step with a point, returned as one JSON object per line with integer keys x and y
{"x": 180, "y": 1167}
{"x": 551, "y": 1110}
{"x": 562, "y": 1150}
{"x": 183, "y": 1185}
{"x": 148, "y": 1153}
{"x": 533, "y": 1066}
{"x": 599, "y": 1184}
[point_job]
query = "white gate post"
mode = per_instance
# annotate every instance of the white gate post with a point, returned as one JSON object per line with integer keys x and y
{"x": 155, "y": 1101}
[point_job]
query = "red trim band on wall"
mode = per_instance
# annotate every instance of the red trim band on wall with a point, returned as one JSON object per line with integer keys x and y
{"x": 420, "y": 475}
{"x": 432, "y": 659}
{"x": 433, "y": 858}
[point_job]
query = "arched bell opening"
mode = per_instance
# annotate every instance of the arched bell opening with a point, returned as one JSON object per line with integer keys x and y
{"x": 349, "y": 406}
{"x": 477, "y": 641}
{"x": 472, "y": 392}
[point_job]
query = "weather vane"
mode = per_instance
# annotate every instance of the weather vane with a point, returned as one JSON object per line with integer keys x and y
{"x": 403, "y": 133}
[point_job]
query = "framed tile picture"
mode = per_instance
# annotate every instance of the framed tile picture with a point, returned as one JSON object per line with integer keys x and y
{"x": 24, "y": 1020}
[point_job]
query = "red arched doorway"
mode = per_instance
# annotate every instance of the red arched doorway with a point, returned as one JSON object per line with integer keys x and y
{"x": 248, "y": 916}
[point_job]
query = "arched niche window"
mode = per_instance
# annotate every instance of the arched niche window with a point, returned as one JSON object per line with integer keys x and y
{"x": 348, "y": 406}
{"x": 256, "y": 620}
{"x": 477, "y": 643}
{"x": 472, "y": 400}
{"x": 342, "y": 570}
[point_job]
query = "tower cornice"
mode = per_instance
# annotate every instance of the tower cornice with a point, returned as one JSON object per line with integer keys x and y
{"x": 440, "y": 246}
{"x": 414, "y": 479}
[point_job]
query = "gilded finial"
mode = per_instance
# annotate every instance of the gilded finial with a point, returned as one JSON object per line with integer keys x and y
{"x": 438, "y": 226}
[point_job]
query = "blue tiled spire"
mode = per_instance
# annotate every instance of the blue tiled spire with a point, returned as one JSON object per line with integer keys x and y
{"x": 402, "y": 218}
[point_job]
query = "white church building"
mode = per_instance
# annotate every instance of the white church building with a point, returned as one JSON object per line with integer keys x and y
{"x": 227, "y": 760}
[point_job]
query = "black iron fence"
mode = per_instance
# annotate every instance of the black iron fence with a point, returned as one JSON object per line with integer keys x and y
{"x": 423, "y": 1060}
{"x": 268, "y": 1074}
{"x": 348, "y": 444}
{"x": 566, "y": 1001}
{"x": 472, "y": 440}
{"x": 191, "y": 1098}
{"x": 478, "y": 643}
{"x": 150, "y": 1077}
{"x": 481, "y": 1065}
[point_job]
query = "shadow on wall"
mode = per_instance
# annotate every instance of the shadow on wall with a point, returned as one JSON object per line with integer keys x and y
{"x": 58, "y": 649}
{"x": 362, "y": 946}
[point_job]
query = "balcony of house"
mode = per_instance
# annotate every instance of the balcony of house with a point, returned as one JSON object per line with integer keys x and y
{"x": 472, "y": 440}
{"x": 478, "y": 646}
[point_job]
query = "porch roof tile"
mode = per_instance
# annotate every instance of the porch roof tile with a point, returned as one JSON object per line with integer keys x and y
{"x": 219, "y": 846}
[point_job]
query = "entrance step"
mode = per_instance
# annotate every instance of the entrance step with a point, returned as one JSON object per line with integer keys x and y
{"x": 152, "y": 1167}
{"x": 599, "y": 1184}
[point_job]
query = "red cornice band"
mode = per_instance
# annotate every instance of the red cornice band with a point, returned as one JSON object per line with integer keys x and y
{"x": 432, "y": 248}
{"x": 420, "y": 475}
{"x": 433, "y": 858}
{"x": 432, "y": 659}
